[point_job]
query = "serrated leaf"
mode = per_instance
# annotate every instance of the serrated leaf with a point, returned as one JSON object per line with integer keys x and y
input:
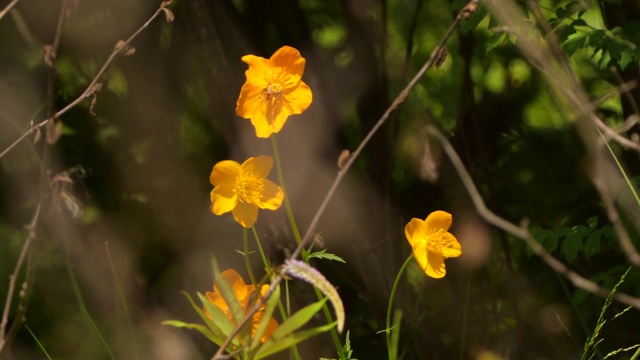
{"x": 574, "y": 44}
{"x": 271, "y": 347}
{"x": 579, "y": 22}
{"x": 494, "y": 40}
{"x": 625, "y": 59}
{"x": 324, "y": 255}
{"x": 592, "y": 245}
{"x": 571, "y": 246}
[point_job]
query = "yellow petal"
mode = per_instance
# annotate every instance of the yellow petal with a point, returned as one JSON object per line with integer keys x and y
{"x": 251, "y": 100}
{"x": 290, "y": 59}
{"x": 299, "y": 99}
{"x": 224, "y": 172}
{"x": 435, "y": 266}
{"x": 272, "y": 197}
{"x": 415, "y": 232}
{"x": 216, "y": 299}
{"x": 258, "y": 71}
{"x": 451, "y": 246}
{"x": 272, "y": 325}
{"x": 245, "y": 214}
{"x": 259, "y": 166}
{"x": 223, "y": 199}
{"x": 438, "y": 220}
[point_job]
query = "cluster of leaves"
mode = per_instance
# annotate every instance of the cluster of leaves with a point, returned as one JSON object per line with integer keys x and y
{"x": 619, "y": 45}
{"x": 571, "y": 242}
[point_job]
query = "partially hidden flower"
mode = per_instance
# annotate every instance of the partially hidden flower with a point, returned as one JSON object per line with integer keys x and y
{"x": 243, "y": 189}
{"x": 274, "y": 90}
{"x": 432, "y": 243}
{"x": 245, "y": 295}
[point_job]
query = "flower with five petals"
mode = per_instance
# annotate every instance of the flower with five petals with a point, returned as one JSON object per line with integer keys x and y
{"x": 243, "y": 189}
{"x": 274, "y": 90}
{"x": 432, "y": 243}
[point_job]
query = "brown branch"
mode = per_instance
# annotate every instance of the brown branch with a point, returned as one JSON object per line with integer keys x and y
{"x": 467, "y": 10}
{"x": 521, "y": 231}
{"x": 614, "y": 218}
{"x": 7, "y": 8}
{"x": 93, "y": 86}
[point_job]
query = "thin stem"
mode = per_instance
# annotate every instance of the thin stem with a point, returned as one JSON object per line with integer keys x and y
{"x": 636, "y": 355}
{"x": 465, "y": 317}
{"x": 287, "y": 204}
{"x": 95, "y": 328}
{"x": 390, "y": 306}
{"x": 127, "y": 313}
{"x": 245, "y": 254}
{"x": 38, "y": 342}
{"x": 7, "y": 8}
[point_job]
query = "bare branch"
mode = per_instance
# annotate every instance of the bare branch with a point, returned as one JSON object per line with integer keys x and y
{"x": 6, "y": 9}
{"x": 90, "y": 90}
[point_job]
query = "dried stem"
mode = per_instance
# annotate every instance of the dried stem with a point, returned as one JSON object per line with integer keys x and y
{"x": 91, "y": 88}
{"x": 6, "y": 9}
{"x": 470, "y": 7}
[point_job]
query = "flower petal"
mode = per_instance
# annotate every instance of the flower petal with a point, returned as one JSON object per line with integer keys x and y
{"x": 251, "y": 101}
{"x": 438, "y": 220}
{"x": 415, "y": 232}
{"x": 245, "y": 214}
{"x": 289, "y": 59}
{"x": 420, "y": 254}
{"x": 259, "y": 165}
{"x": 223, "y": 198}
{"x": 272, "y": 197}
{"x": 435, "y": 266}
{"x": 272, "y": 325}
{"x": 298, "y": 100}
{"x": 452, "y": 247}
{"x": 259, "y": 70}
{"x": 224, "y": 172}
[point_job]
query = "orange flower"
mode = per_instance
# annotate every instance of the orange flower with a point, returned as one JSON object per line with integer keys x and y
{"x": 274, "y": 90}
{"x": 242, "y": 189}
{"x": 243, "y": 293}
{"x": 432, "y": 243}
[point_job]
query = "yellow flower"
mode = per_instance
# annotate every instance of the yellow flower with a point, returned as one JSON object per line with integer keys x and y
{"x": 243, "y": 293}
{"x": 242, "y": 189}
{"x": 432, "y": 243}
{"x": 274, "y": 90}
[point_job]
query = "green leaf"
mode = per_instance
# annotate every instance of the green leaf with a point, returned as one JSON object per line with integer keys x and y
{"x": 592, "y": 245}
{"x": 202, "y": 329}
{"x": 268, "y": 313}
{"x": 571, "y": 246}
{"x": 625, "y": 59}
{"x": 217, "y": 329}
{"x": 220, "y": 320}
{"x": 324, "y": 255}
{"x": 551, "y": 243}
{"x": 494, "y": 40}
{"x": 271, "y": 347}
{"x": 592, "y": 222}
{"x": 297, "y": 320}
{"x": 228, "y": 295}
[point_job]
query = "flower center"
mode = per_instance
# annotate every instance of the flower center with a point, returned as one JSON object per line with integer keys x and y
{"x": 249, "y": 189}
{"x": 436, "y": 242}
{"x": 273, "y": 91}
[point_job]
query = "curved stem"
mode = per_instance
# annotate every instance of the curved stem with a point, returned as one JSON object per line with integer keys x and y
{"x": 245, "y": 254}
{"x": 390, "y": 307}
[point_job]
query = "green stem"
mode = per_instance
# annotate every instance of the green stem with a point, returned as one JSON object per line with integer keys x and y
{"x": 390, "y": 307}
{"x": 636, "y": 356}
{"x": 38, "y": 342}
{"x": 127, "y": 313}
{"x": 465, "y": 316}
{"x": 287, "y": 204}
{"x": 245, "y": 242}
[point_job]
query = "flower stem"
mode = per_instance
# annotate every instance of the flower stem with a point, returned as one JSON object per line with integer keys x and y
{"x": 287, "y": 204}
{"x": 390, "y": 307}
{"x": 245, "y": 252}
